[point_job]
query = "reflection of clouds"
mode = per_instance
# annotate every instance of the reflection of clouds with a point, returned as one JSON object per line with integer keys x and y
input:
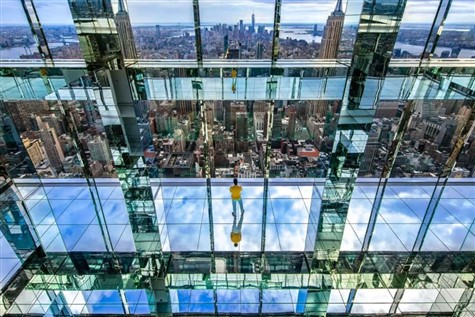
{"x": 272, "y": 238}
{"x": 284, "y": 192}
{"x": 407, "y": 192}
{"x": 384, "y": 239}
{"x": 372, "y": 301}
{"x": 289, "y": 211}
{"x": 200, "y": 301}
{"x": 451, "y": 235}
{"x": 104, "y": 302}
{"x": 83, "y": 213}
{"x": 184, "y": 237}
{"x": 395, "y": 211}
{"x": 469, "y": 244}
{"x": 76, "y": 301}
{"x": 186, "y": 211}
{"x": 66, "y": 192}
{"x": 418, "y": 300}
{"x": 359, "y": 211}
{"x": 441, "y": 215}
{"x": 278, "y": 301}
{"x": 432, "y": 243}
{"x": 450, "y": 192}
{"x": 351, "y": 241}
{"x": 190, "y": 192}
{"x": 91, "y": 240}
{"x": 137, "y": 301}
{"x": 418, "y": 206}
{"x": 461, "y": 209}
{"x": 115, "y": 212}
{"x": 238, "y": 301}
{"x": 467, "y": 191}
{"x": 292, "y": 236}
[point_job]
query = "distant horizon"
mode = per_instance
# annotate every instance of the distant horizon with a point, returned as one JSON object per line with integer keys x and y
{"x": 216, "y": 23}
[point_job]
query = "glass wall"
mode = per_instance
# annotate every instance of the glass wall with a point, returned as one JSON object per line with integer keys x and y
{"x": 163, "y": 29}
{"x": 236, "y": 30}
{"x": 59, "y": 29}
{"x": 63, "y": 140}
{"x": 458, "y": 36}
{"x": 16, "y": 38}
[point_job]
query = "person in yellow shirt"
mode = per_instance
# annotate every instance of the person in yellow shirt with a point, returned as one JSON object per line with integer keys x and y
{"x": 235, "y": 191}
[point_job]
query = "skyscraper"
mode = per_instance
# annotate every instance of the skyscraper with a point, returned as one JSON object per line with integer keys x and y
{"x": 226, "y": 45}
{"x": 52, "y": 147}
{"x": 259, "y": 51}
{"x": 99, "y": 150}
{"x": 241, "y": 126}
{"x": 292, "y": 121}
{"x": 124, "y": 30}
{"x": 253, "y": 24}
{"x": 332, "y": 33}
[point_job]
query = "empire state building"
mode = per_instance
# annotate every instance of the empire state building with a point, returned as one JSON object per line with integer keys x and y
{"x": 124, "y": 30}
{"x": 332, "y": 33}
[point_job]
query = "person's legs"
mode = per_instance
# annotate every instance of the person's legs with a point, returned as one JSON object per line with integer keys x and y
{"x": 234, "y": 207}
{"x": 240, "y": 204}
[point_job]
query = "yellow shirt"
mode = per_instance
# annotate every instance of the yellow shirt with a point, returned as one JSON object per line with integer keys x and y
{"x": 235, "y": 191}
{"x": 235, "y": 237}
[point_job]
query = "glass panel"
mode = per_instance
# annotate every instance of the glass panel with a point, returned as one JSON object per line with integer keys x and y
{"x": 457, "y": 38}
{"x": 163, "y": 29}
{"x": 430, "y": 138}
{"x": 414, "y": 30}
{"x": 48, "y": 132}
{"x": 236, "y": 30}
{"x": 310, "y": 29}
{"x": 17, "y": 41}
{"x": 59, "y": 29}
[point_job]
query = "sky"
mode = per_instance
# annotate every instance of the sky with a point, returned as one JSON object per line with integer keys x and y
{"x": 230, "y": 12}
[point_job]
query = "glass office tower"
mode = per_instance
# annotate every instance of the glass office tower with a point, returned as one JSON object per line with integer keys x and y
{"x": 349, "y": 125}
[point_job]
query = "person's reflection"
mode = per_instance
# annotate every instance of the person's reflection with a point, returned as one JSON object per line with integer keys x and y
{"x": 236, "y": 231}
{"x": 235, "y": 191}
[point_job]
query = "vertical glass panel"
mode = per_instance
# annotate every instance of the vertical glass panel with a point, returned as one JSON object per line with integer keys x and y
{"x": 302, "y": 138}
{"x": 16, "y": 39}
{"x": 458, "y": 36}
{"x": 304, "y": 24}
{"x": 372, "y": 301}
{"x": 59, "y": 29}
{"x": 236, "y": 30}
{"x": 163, "y": 29}
{"x": 417, "y": 300}
{"x": 173, "y": 131}
{"x": 430, "y": 138}
{"x": 10, "y": 261}
{"x": 380, "y": 136}
{"x": 61, "y": 138}
{"x": 350, "y": 27}
{"x": 415, "y": 27}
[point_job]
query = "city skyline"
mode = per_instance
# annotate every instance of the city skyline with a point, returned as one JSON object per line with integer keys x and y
{"x": 302, "y": 12}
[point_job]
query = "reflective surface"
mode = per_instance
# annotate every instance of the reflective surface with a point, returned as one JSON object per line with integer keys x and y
{"x": 348, "y": 124}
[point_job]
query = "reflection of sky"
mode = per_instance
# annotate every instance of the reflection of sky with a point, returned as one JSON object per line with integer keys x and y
{"x": 181, "y": 11}
{"x": 68, "y": 220}
{"x": 101, "y": 302}
{"x": 10, "y": 262}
